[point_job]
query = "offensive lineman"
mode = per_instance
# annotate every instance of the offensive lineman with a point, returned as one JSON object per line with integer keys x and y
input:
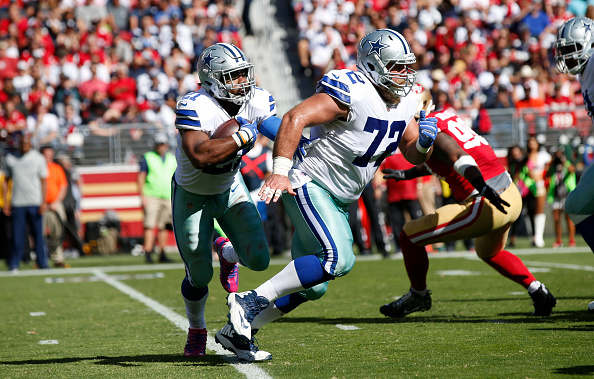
{"x": 357, "y": 119}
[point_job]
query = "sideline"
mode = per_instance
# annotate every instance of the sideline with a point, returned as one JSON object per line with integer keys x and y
{"x": 251, "y": 371}
{"x": 280, "y": 261}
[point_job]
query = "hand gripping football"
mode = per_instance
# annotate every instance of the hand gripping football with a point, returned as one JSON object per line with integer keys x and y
{"x": 226, "y": 129}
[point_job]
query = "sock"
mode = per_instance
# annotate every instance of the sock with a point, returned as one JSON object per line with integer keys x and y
{"x": 533, "y": 287}
{"x": 299, "y": 274}
{"x": 267, "y": 315}
{"x": 420, "y": 293}
{"x": 512, "y": 267}
{"x": 229, "y": 254}
{"x": 539, "y": 226}
{"x": 416, "y": 262}
{"x": 195, "y": 299}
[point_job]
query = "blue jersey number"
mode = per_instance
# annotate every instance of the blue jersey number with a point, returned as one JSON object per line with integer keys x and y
{"x": 381, "y": 126}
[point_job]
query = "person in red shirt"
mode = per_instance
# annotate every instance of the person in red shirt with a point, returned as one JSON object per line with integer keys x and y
{"x": 488, "y": 203}
{"x": 122, "y": 89}
{"x": 402, "y": 196}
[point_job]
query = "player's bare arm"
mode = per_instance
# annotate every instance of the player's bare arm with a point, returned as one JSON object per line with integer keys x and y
{"x": 317, "y": 109}
{"x": 204, "y": 152}
{"x": 408, "y": 144}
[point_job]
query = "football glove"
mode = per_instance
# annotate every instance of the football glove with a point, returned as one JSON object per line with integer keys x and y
{"x": 247, "y": 133}
{"x": 490, "y": 194}
{"x": 427, "y": 130}
{"x": 397, "y": 175}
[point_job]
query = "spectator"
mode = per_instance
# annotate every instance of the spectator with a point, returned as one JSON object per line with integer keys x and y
{"x": 154, "y": 185}
{"x": 71, "y": 203}
{"x": 43, "y": 125}
{"x": 54, "y": 216}
{"x": 538, "y": 161}
{"x": 121, "y": 89}
{"x": 562, "y": 180}
{"x": 28, "y": 172}
{"x": 516, "y": 166}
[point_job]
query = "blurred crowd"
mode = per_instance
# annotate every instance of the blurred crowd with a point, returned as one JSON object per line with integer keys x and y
{"x": 98, "y": 62}
{"x": 471, "y": 54}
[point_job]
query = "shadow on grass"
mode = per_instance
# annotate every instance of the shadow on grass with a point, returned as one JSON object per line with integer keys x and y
{"x": 502, "y": 318}
{"x": 576, "y": 370}
{"x": 131, "y": 361}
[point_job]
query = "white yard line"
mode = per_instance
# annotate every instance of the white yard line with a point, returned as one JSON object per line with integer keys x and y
{"x": 251, "y": 371}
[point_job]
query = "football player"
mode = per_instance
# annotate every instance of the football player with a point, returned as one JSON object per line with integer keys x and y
{"x": 573, "y": 49}
{"x": 207, "y": 185}
{"x": 357, "y": 118}
{"x": 488, "y": 203}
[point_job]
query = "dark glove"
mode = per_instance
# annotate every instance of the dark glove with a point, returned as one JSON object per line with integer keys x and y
{"x": 491, "y": 195}
{"x": 397, "y": 175}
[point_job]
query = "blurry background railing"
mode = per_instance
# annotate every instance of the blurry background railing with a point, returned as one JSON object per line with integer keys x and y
{"x": 128, "y": 142}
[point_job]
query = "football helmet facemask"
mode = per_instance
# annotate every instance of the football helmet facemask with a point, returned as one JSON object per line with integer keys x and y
{"x": 384, "y": 56}
{"x": 573, "y": 46}
{"x": 219, "y": 66}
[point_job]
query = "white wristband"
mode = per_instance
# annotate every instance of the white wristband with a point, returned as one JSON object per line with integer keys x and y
{"x": 241, "y": 138}
{"x": 421, "y": 149}
{"x": 463, "y": 163}
{"x": 281, "y": 166}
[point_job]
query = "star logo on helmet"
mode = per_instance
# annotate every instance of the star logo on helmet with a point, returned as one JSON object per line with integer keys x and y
{"x": 587, "y": 26}
{"x": 209, "y": 58}
{"x": 377, "y": 46}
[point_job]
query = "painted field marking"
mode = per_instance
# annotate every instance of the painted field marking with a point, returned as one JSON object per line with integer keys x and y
{"x": 48, "y": 342}
{"x": 347, "y": 327}
{"x": 78, "y": 279}
{"x": 458, "y": 273}
{"x": 249, "y": 370}
{"x": 35, "y": 314}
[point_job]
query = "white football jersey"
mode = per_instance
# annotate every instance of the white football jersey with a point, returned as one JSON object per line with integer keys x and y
{"x": 200, "y": 111}
{"x": 347, "y": 154}
{"x": 586, "y": 79}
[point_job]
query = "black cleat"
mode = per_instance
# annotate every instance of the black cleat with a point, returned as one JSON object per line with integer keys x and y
{"x": 409, "y": 303}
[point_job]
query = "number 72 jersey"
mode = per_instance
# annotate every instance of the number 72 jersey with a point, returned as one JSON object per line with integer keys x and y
{"x": 476, "y": 146}
{"x": 347, "y": 153}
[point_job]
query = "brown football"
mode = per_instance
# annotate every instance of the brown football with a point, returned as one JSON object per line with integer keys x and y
{"x": 226, "y": 129}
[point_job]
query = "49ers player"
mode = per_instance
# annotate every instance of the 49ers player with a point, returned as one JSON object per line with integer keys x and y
{"x": 488, "y": 203}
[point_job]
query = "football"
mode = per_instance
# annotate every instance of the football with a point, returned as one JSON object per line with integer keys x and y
{"x": 226, "y": 129}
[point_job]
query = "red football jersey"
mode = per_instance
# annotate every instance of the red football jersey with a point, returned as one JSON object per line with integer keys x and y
{"x": 475, "y": 145}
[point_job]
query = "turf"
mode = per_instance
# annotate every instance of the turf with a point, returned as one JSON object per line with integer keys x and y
{"x": 479, "y": 326}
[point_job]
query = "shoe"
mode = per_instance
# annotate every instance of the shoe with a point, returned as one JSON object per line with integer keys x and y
{"x": 557, "y": 245}
{"x": 61, "y": 265}
{"x": 228, "y": 271}
{"x": 409, "y": 303}
{"x": 196, "y": 343}
{"x": 164, "y": 259}
{"x": 246, "y": 351}
{"x": 591, "y": 307}
{"x": 543, "y": 301}
{"x": 572, "y": 244}
{"x": 14, "y": 271}
{"x": 243, "y": 308}
{"x": 147, "y": 257}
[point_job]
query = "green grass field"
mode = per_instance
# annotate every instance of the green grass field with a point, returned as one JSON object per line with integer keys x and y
{"x": 68, "y": 323}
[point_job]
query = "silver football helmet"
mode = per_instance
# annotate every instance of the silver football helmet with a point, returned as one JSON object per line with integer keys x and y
{"x": 219, "y": 65}
{"x": 574, "y": 45}
{"x": 384, "y": 56}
